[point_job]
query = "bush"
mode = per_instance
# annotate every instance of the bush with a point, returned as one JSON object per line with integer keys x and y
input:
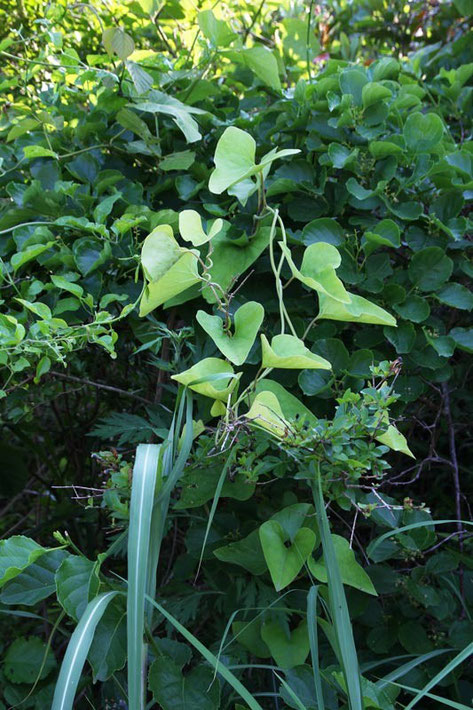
{"x": 239, "y": 239}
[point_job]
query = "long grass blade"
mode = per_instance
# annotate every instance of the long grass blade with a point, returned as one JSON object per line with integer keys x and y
{"x": 213, "y": 509}
{"x": 407, "y": 667}
{"x": 171, "y": 467}
{"x": 459, "y": 658}
{"x": 338, "y": 606}
{"x": 77, "y": 650}
{"x": 209, "y": 656}
{"x": 141, "y": 510}
{"x": 443, "y": 701}
{"x": 314, "y": 644}
{"x": 297, "y": 701}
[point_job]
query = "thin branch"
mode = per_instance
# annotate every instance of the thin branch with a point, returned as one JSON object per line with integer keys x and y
{"x": 100, "y": 385}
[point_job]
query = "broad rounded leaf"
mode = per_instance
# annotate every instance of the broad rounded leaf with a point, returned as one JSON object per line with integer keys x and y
{"x": 423, "y": 132}
{"x": 430, "y": 268}
{"x": 24, "y": 658}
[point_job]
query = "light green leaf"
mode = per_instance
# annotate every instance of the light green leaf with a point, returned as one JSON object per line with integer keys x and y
{"x": 141, "y": 562}
{"x": 289, "y": 649}
{"x": 352, "y": 573}
{"x": 169, "y": 268}
{"x": 217, "y": 31}
{"x": 29, "y": 253}
{"x": 159, "y": 252}
{"x": 292, "y": 408}
{"x": 37, "y": 151}
{"x": 266, "y": 413}
{"x": 423, "y": 132}
{"x": 235, "y": 159}
{"x": 289, "y": 352}
{"x": 237, "y": 345}
{"x": 118, "y": 42}
{"x": 285, "y": 561}
{"x": 396, "y": 441}
{"x": 211, "y": 377}
{"x": 76, "y": 653}
{"x": 180, "y": 113}
{"x": 263, "y": 63}
{"x": 191, "y": 230}
{"x": 248, "y": 633}
{"x": 358, "y": 310}
{"x": 318, "y": 270}
{"x": 141, "y": 79}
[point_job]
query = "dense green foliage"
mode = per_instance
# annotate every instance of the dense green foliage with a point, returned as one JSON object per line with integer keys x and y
{"x": 238, "y": 236}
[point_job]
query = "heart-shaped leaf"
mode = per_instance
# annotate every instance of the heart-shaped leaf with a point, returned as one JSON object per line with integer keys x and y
{"x": 174, "y": 691}
{"x": 248, "y": 633}
{"x": 423, "y": 132}
{"x": 318, "y": 270}
{"x": 211, "y": 377}
{"x": 289, "y": 649}
{"x": 352, "y": 573}
{"x": 247, "y": 322}
{"x": 358, "y": 310}
{"x": 167, "y": 267}
{"x": 190, "y": 228}
{"x": 285, "y": 561}
{"x": 290, "y": 353}
{"x": 235, "y": 159}
{"x": 266, "y": 413}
